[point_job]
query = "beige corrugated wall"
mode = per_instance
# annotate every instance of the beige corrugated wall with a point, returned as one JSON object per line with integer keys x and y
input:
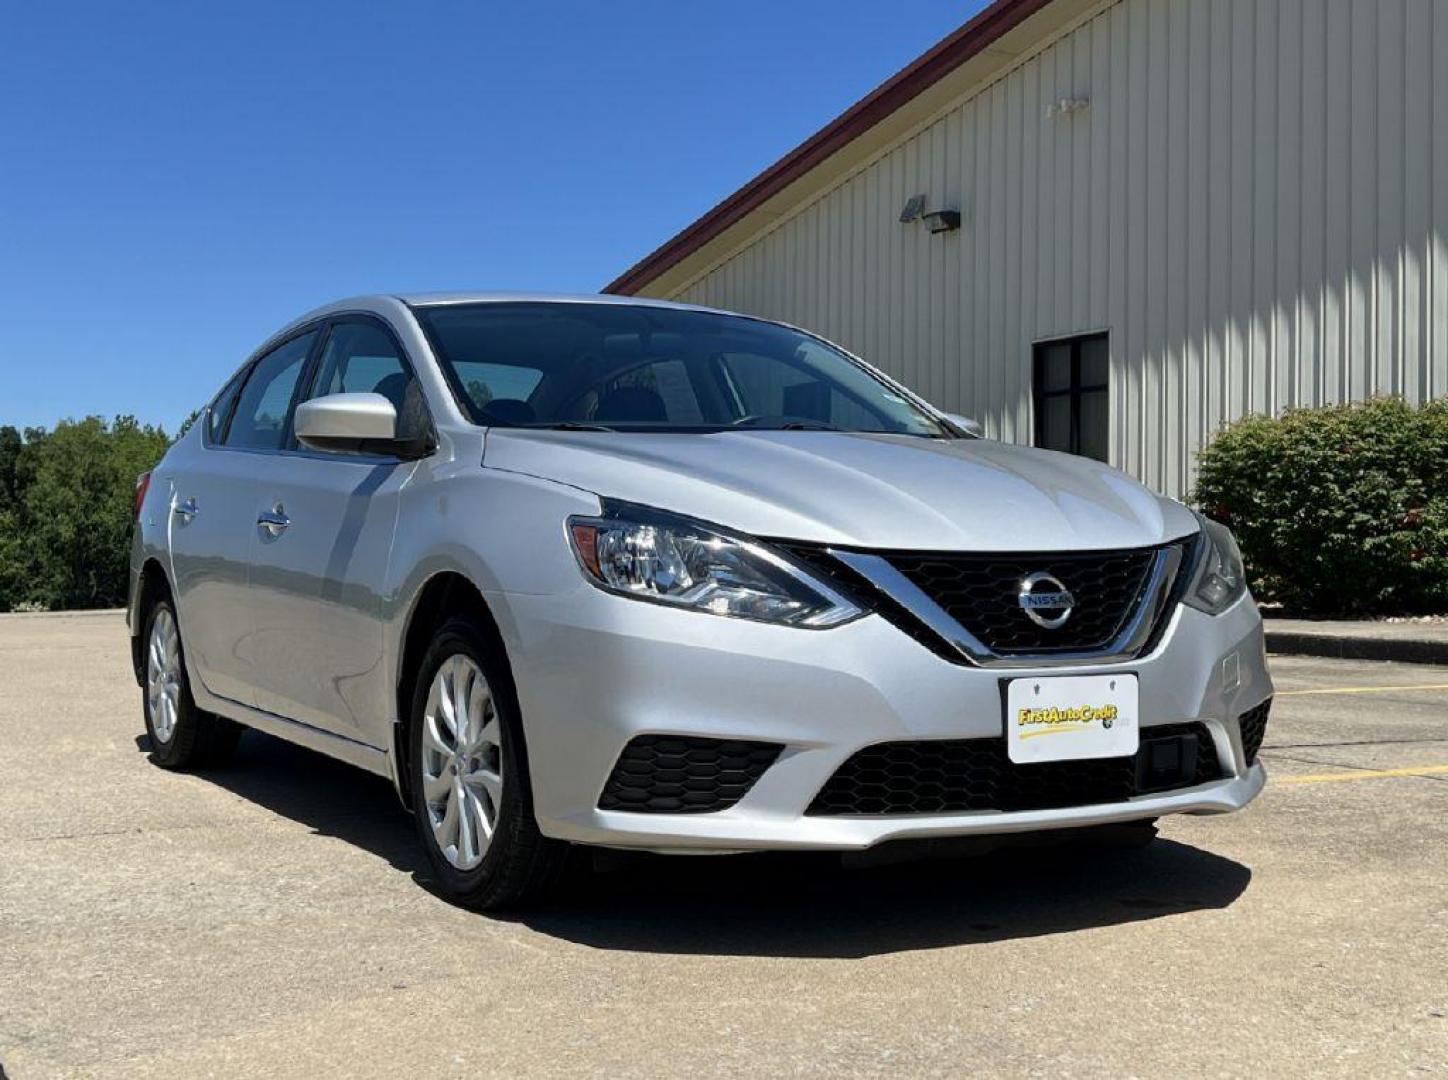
{"x": 1254, "y": 204}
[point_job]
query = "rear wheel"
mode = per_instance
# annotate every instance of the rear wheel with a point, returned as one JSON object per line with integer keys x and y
{"x": 182, "y": 735}
{"x": 470, "y": 788}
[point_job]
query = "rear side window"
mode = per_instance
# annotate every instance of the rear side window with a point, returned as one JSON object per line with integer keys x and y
{"x": 220, "y": 410}
{"x": 262, "y": 410}
{"x": 361, "y": 357}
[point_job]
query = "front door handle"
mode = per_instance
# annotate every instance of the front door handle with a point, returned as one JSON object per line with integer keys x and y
{"x": 185, "y": 510}
{"x": 274, "y": 521}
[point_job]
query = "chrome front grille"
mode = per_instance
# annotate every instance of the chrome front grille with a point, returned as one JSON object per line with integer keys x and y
{"x": 966, "y": 605}
{"x": 980, "y": 592}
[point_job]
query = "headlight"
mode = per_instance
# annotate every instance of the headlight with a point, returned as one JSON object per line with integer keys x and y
{"x": 1220, "y": 578}
{"x": 650, "y": 555}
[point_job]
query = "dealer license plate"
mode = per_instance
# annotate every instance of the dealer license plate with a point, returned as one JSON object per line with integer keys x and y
{"x": 1071, "y": 717}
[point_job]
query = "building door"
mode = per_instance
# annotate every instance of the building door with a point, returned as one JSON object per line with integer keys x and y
{"x": 1070, "y": 390}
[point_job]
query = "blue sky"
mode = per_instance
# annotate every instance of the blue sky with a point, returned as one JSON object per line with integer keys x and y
{"x": 178, "y": 180}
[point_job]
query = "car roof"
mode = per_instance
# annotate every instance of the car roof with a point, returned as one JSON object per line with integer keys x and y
{"x": 437, "y": 299}
{"x": 382, "y": 303}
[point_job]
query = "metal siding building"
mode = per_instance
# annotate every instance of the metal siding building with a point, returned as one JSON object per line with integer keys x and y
{"x": 1249, "y": 197}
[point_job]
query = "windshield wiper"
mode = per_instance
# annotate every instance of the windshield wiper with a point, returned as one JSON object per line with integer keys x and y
{"x": 764, "y": 422}
{"x": 573, "y": 425}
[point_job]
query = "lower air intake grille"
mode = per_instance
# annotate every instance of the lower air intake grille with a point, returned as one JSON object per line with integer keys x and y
{"x": 1254, "y": 728}
{"x": 679, "y": 774}
{"x": 948, "y": 776}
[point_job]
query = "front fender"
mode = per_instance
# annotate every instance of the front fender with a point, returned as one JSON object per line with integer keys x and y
{"x": 504, "y": 532}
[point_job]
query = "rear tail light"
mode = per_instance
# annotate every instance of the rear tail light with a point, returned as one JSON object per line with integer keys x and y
{"x": 143, "y": 482}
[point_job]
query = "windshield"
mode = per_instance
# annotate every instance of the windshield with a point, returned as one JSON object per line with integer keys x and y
{"x": 637, "y": 368}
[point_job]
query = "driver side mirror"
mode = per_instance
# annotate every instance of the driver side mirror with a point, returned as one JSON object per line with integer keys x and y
{"x": 967, "y": 425}
{"x": 353, "y": 422}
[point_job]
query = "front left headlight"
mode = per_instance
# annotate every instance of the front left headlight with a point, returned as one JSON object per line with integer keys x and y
{"x": 651, "y": 555}
{"x": 1220, "y": 578}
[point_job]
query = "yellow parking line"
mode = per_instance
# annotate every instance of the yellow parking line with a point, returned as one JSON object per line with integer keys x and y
{"x": 1361, "y": 689}
{"x": 1362, "y": 774}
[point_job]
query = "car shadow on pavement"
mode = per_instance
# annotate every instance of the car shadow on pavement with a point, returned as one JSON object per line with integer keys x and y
{"x": 779, "y": 904}
{"x": 329, "y": 797}
{"x": 808, "y": 905}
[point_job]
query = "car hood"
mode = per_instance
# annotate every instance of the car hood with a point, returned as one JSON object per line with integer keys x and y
{"x": 856, "y": 489}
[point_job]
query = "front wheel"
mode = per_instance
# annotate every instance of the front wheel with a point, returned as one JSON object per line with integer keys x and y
{"x": 182, "y": 735}
{"x": 471, "y": 794}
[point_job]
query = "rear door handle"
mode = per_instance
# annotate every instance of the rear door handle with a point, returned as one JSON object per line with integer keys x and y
{"x": 185, "y": 510}
{"x": 274, "y": 521}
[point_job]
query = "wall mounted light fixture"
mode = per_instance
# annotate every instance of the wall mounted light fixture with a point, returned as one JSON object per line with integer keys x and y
{"x": 914, "y": 207}
{"x": 937, "y": 221}
{"x": 1066, "y": 106}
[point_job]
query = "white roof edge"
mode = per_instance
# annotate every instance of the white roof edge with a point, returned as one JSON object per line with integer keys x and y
{"x": 440, "y": 299}
{"x": 390, "y": 303}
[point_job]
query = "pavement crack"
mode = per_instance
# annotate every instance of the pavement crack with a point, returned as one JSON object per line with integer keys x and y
{"x": 1353, "y": 742}
{"x": 160, "y": 830}
{"x": 1318, "y": 761}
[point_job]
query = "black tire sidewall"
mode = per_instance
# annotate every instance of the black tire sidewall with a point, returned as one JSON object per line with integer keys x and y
{"x": 461, "y": 636}
{"x": 183, "y": 734}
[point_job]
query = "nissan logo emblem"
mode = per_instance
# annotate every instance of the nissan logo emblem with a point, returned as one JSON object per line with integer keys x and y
{"x": 1045, "y": 600}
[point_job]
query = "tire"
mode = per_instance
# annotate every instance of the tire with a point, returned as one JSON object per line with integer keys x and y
{"x": 471, "y": 794}
{"x": 182, "y": 735}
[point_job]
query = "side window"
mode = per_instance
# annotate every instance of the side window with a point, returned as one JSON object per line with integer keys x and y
{"x": 359, "y": 358}
{"x": 262, "y": 410}
{"x": 220, "y": 410}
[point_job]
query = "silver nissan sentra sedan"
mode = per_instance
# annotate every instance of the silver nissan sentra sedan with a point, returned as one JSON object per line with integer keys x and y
{"x": 607, "y": 571}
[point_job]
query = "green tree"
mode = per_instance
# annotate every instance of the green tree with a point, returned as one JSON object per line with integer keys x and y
{"x": 14, "y": 562}
{"x": 72, "y": 525}
{"x": 11, "y": 446}
{"x": 17, "y": 468}
{"x": 186, "y": 424}
{"x": 479, "y": 392}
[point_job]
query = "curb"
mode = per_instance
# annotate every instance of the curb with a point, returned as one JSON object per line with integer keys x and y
{"x": 1342, "y": 647}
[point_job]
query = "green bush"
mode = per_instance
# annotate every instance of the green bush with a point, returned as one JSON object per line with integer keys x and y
{"x": 65, "y": 510}
{"x": 1341, "y": 510}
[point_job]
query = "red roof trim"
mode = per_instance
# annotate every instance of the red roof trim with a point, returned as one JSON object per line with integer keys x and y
{"x": 974, "y": 37}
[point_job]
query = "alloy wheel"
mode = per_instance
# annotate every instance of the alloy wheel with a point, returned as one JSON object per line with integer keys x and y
{"x": 163, "y": 674}
{"x": 462, "y": 761}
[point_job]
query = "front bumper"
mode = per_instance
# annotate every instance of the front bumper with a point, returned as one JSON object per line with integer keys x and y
{"x": 593, "y": 671}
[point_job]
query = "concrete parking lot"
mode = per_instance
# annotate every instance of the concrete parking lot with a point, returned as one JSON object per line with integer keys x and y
{"x": 273, "y": 919}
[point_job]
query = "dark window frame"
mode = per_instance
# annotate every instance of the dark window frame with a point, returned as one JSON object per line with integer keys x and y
{"x": 232, "y": 386}
{"x": 311, "y": 367}
{"x": 313, "y": 371}
{"x": 1075, "y": 390}
{"x": 303, "y": 377}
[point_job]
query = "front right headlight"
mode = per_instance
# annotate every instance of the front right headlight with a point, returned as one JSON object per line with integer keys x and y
{"x": 1220, "y": 578}
{"x": 648, "y": 554}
